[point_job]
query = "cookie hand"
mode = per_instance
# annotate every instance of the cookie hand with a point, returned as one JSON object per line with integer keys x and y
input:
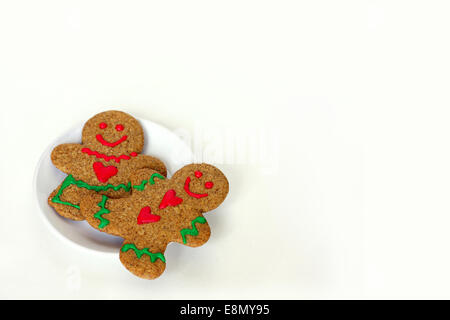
{"x": 145, "y": 161}
{"x": 105, "y": 214}
{"x": 68, "y": 157}
{"x": 195, "y": 233}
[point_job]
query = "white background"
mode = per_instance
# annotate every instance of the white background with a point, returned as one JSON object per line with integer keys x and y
{"x": 342, "y": 107}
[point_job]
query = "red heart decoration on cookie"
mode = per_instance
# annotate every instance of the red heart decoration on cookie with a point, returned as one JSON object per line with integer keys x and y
{"x": 146, "y": 216}
{"x": 104, "y": 173}
{"x": 170, "y": 199}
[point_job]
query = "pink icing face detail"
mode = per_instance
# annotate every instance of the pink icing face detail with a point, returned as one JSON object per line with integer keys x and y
{"x": 198, "y": 174}
{"x": 113, "y": 133}
{"x": 100, "y": 139}
{"x": 209, "y": 185}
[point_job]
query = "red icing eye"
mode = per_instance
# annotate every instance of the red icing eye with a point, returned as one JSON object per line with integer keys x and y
{"x": 209, "y": 185}
{"x": 102, "y": 125}
{"x": 198, "y": 174}
{"x": 119, "y": 127}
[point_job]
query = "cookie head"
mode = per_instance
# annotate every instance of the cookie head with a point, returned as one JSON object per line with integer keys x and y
{"x": 113, "y": 133}
{"x": 204, "y": 186}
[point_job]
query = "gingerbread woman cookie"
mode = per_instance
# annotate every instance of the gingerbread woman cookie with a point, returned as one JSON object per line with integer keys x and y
{"x": 158, "y": 211}
{"x": 103, "y": 163}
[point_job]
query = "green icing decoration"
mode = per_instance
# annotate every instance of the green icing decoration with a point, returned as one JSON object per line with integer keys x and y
{"x": 140, "y": 252}
{"x": 151, "y": 181}
{"x": 81, "y": 184}
{"x": 192, "y": 231}
{"x": 99, "y": 215}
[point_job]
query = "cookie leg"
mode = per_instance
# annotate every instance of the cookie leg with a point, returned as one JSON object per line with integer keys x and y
{"x": 144, "y": 261}
{"x": 66, "y": 200}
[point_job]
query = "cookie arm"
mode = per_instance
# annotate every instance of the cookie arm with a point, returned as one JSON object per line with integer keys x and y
{"x": 106, "y": 214}
{"x": 144, "y": 161}
{"x": 195, "y": 233}
{"x": 67, "y": 157}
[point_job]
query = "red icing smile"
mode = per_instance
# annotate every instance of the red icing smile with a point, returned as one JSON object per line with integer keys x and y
{"x": 110, "y": 144}
{"x": 189, "y": 192}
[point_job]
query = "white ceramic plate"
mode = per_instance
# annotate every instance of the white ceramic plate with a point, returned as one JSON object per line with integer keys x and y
{"x": 159, "y": 142}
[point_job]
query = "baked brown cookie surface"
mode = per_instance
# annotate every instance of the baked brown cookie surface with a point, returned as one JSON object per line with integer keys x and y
{"x": 159, "y": 211}
{"x": 103, "y": 163}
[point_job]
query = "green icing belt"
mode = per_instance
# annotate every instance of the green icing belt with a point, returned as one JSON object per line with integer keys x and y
{"x": 81, "y": 184}
{"x": 140, "y": 252}
{"x": 192, "y": 231}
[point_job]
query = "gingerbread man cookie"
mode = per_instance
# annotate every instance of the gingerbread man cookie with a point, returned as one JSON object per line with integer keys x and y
{"x": 158, "y": 211}
{"x": 103, "y": 163}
